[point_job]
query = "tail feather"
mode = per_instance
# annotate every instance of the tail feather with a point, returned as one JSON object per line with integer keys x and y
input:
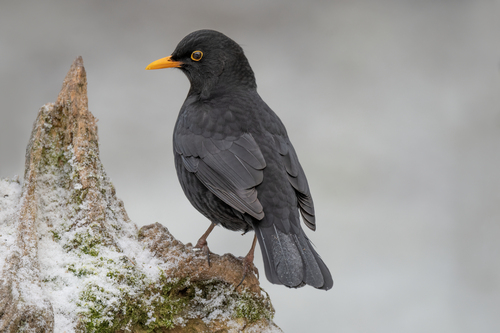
{"x": 290, "y": 260}
{"x": 316, "y": 272}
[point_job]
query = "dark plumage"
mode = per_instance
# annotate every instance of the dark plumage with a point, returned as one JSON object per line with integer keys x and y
{"x": 235, "y": 162}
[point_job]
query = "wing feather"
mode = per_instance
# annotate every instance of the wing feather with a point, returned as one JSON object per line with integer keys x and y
{"x": 298, "y": 180}
{"x": 231, "y": 168}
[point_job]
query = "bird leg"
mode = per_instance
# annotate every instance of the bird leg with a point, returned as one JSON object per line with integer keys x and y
{"x": 248, "y": 261}
{"x": 203, "y": 244}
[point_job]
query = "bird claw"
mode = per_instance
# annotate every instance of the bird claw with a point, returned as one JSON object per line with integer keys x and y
{"x": 243, "y": 279}
{"x": 247, "y": 265}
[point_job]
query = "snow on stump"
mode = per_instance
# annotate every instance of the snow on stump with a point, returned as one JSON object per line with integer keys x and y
{"x": 72, "y": 261}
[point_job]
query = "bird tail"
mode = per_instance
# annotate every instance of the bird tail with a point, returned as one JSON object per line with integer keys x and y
{"x": 290, "y": 259}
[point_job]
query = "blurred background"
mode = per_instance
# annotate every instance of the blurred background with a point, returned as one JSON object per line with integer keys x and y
{"x": 393, "y": 108}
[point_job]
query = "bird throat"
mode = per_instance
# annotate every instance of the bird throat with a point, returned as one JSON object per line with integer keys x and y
{"x": 219, "y": 79}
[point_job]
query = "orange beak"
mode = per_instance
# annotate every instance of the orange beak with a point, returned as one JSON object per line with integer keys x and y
{"x": 164, "y": 63}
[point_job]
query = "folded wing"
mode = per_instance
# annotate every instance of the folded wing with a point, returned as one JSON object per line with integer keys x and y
{"x": 230, "y": 168}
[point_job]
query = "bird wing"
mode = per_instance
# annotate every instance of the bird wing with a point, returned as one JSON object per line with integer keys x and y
{"x": 230, "y": 168}
{"x": 297, "y": 179}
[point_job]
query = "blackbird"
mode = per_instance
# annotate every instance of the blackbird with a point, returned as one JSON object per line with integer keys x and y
{"x": 236, "y": 164}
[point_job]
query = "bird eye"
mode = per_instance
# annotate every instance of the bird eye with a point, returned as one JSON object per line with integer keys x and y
{"x": 196, "y": 55}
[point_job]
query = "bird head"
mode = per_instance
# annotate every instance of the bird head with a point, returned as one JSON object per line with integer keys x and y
{"x": 212, "y": 62}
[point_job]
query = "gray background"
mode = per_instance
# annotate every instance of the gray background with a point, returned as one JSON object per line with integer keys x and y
{"x": 393, "y": 107}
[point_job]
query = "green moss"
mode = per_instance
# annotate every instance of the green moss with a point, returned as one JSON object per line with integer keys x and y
{"x": 52, "y": 154}
{"x": 55, "y": 235}
{"x": 78, "y": 196}
{"x": 50, "y": 279}
{"x": 218, "y": 296}
{"x": 80, "y": 271}
{"x": 152, "y": 306}
{"x": 253, "y": 308}
{"x": 126, "y": 274}
{"x": 86, "y": 242}
{"x": 171, "y": 300}
{"x": 153, "y": 309}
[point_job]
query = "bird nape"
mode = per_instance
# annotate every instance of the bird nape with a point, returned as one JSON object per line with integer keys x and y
{"x": 236, "y": 164}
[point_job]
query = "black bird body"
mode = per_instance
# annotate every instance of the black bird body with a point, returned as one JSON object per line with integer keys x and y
{"x": 235, "y": 162}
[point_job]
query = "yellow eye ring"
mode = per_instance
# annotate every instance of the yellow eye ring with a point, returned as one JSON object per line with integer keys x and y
{"x": 197, "y": 55}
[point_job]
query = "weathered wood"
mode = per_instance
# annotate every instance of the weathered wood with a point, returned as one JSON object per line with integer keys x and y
{"x": 122, "y": 278}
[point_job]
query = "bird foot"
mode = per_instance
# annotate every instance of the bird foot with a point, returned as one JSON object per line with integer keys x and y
{"x": 248, "y": 266}
{"x": 202, "y": 244}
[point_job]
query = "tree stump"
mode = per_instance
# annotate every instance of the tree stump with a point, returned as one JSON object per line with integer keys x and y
{"x": 72, "y": 261}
